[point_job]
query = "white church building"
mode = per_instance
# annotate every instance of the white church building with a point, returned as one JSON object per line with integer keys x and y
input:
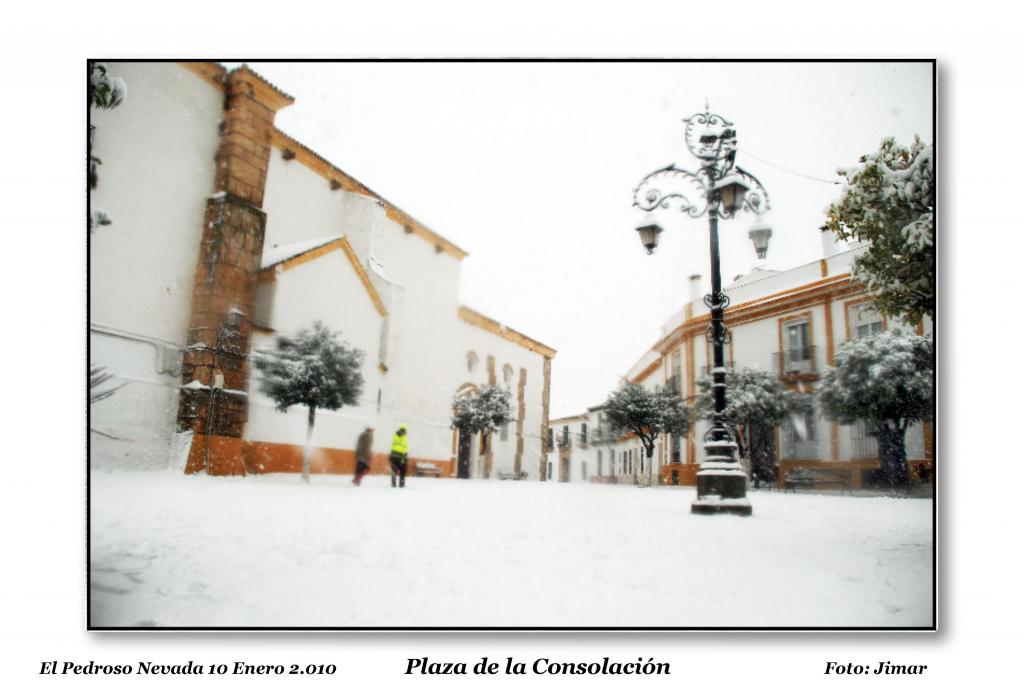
{"x": 228, "y": 233}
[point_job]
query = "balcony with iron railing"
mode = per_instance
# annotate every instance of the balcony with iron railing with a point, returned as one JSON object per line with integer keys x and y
{"x": 799, "y": 449}
{"x": 603, "y": 435}
{"x": 862, "y": 444}
{"x": 796, "y": 362}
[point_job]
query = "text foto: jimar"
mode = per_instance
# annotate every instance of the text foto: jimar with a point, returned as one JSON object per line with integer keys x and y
{"x": 886, "y": 668}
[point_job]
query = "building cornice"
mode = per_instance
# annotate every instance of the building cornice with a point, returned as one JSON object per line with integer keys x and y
{"x": 339, "y": 179}
{"x": 258, "y": 88}
{"x": 210, "y": 72}
{"x": 266, "y": 92}
{"x": 477, "y": 319}
{"x": 647, "y": 371}
{"x": 771, "y": 305}
{"x": 572, "y": 418}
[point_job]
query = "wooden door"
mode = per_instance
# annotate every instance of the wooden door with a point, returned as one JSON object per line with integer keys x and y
{"x": 465, "y": 450}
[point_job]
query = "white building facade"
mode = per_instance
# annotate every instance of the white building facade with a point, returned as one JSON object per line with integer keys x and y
{"x": 228, "y": 233}
{"x": 789, "y": 323}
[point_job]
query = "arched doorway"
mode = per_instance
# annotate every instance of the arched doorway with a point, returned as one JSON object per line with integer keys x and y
{"x": 464, "y": 443}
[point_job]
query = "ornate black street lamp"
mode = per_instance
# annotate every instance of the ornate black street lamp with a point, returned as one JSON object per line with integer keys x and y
{"x": 720, "y": 189}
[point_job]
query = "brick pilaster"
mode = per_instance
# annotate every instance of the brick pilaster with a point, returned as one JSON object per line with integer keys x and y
{"x": 520, "y": 418}
{"x": 691, "y": 392}
{"x": 545, "y": 411}
{"x": 215, "y": 371}
{"x": 492, "y": 379}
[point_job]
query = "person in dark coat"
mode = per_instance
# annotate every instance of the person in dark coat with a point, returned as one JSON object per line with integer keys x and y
{"x": 364, "y": 447}
{"x": 399, "y": 456}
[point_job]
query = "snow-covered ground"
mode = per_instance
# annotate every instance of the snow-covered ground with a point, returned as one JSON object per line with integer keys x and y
{"x": 171, "y": 550}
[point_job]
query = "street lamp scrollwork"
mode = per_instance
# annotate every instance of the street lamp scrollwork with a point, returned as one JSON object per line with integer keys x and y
{"x": 718, "y": 189}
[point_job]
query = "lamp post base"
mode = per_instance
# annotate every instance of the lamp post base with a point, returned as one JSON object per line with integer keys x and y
{"x": 729, "y": 506}
{"x": 721, "y": 488}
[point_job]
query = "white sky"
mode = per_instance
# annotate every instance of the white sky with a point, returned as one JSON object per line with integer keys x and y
{"x": 530, "y": 167}
{"x": 979, "y": 255}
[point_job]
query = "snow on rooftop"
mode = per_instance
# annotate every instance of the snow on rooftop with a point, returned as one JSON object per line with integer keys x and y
{"x": 754, "y": 275}
{"x": 278, "y": 253}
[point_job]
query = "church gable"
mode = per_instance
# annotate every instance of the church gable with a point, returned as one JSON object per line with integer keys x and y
{"x": 324, "y": 283}
{"x": 278, "y": 260}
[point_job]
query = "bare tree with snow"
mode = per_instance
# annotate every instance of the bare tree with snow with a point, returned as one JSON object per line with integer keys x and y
{"x": 313, "y": 369}
{"x": 884, "y": 380}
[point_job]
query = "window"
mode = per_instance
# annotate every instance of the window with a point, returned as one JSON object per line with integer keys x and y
{"x": 798, "y": 436}
{"x": 565, "y": 436}
{"x": 676, "y": 448}
{"x": 471, "y": 361}
{"x": 797, "y": 356}
{"x": 506, "y": 374}
{"x": 583, "y": 435}
{"x": 796, "y": 336}
{"x": 675, "y": 380}
{"x": 583, "y": 468}
{"x": 551, "y": 438}
{"x": 600, "y": 469}
{"x": 504, "y": 431}
{"x": 864, "y": 320}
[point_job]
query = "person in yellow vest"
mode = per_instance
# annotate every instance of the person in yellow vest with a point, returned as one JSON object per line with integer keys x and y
{"x": 399, "y": 455}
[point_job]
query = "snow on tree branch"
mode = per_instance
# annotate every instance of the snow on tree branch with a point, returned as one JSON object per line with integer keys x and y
{"x": 752, "y": 395}
{"x": 885, "y": 381}
{"x": 489, "y": 409}
{"x": 105, "y": 92}
{"x": 646, "y": 413}
{"x": 313, "y": 368}
{"x": 889, "y": 201}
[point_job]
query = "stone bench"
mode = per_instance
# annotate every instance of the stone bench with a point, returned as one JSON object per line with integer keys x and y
{"x": 427, "y": 469}
{"x": 817, "y": 478}
{"x": 512, "y": 475}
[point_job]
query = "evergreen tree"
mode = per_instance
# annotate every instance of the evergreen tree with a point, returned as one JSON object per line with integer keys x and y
{"x": 885, "y": 381}
{"x": 486, "y": 410}
{"x": 756, "y": 402}
{"x": 105, "y": 91}
{"x": 889, "y": 201}
{"x": 313, "y": 369}
{"x": 647, "y": 414}
{"x": 99, "y": 376}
